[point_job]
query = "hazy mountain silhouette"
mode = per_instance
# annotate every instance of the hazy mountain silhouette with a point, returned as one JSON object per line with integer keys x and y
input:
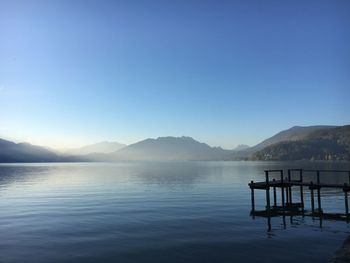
{"x": 170, "y": 148}
{"x": 241, "y": 147}
{"x": 296, "y": 143}
{"x": 327, "y": 143}
{"x": 101, "y": 147}
{"x": 24, "y": 152}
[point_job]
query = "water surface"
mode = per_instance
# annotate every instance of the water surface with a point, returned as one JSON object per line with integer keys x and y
{"x": 155, "y": 212}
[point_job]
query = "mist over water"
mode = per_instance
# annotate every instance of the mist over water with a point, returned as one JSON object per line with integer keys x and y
{"x": 155, "y": 212}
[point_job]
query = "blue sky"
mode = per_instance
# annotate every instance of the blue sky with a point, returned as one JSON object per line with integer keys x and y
{"x": 223, "y": 72}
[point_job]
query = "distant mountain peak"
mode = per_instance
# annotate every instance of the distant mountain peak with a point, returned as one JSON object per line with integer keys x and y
{"x": 176, "y": 138}
{"x": 100, "y": 147}
{"x": 170, "y": 148}
{"x": 241, "y": 147}
{"x": 187, "y": 138}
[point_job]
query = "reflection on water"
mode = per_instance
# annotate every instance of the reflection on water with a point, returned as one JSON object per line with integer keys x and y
{"x": 153, "y": 212}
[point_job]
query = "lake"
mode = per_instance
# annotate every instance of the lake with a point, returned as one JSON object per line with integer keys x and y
{"x": 156, "y": 212}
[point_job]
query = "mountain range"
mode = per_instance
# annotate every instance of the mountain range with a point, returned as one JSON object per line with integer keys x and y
{"x": 11, "y": 152}
{"x": 296, "y": 143}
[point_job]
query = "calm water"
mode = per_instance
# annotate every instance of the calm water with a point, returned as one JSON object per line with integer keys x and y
{"x": 154, "y": 212}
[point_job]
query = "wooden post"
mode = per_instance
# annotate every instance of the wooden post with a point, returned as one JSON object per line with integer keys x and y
{"x": 346, "y": 200}
{"x": 318, "y": 192}
{"x": 274, "y": 195}
{"x": 319, "y": 199}
{"x": 290, "y": 187}
{"x": 267, "y": 192}
{"x": 287, "y": 192}
{"x": 301, "y": 190}
{"x": 252, "y": 194}
{"x": 282, "y": 189}
{"x": 312, "y": 197}
{"x": 290, "y": 195}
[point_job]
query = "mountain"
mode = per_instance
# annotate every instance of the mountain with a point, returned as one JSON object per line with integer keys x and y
{"x": 101, "y": 147}
{"x": 24, "y": 152}
{"x": 327, "y": 143}
{"x": 170, "y": 148}
{"x": 241, "y": 147}
{"x": 295, "y": 133}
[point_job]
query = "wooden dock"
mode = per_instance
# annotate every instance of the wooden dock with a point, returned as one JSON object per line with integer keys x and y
{"x": 295, "y": 180}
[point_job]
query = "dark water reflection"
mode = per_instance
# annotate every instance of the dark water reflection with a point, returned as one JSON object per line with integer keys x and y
{"x": 154, "y": 212}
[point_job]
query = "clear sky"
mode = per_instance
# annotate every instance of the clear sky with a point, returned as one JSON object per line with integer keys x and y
{"x": 223, "y": 72}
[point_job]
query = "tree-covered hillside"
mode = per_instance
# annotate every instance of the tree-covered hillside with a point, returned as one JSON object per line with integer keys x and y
{"x": 327, "y": 144}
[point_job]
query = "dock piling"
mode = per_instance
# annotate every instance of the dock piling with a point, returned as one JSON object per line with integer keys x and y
{"x": 301, "y": 190}
{"x": 287, "y": 191}
{"x": 267, "y": 192}
{"x": 319, "y": 192}
{"x": 346, "y": 200}
{"x": 290, "y": 187}
{"x": 274, "y": 195}
{"x": 252, "y": 195}
{"x": 312, "y": 198}
{"x": 282, "y": 189}
{"x": 319, "y": 200}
